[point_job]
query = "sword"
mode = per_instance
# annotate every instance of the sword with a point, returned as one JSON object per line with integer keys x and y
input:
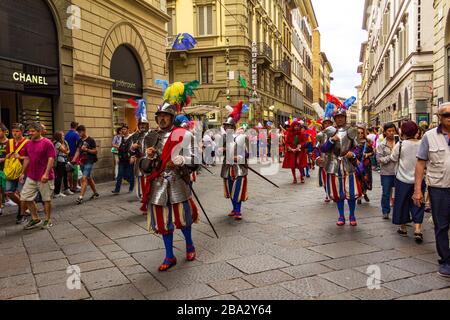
{"x": 261, "y": 176}
{"x": 204, "y": 167}
{"x": 204, "y": 212}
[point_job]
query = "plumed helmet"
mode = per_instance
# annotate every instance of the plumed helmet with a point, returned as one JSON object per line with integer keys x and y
{"x": 167, "y": 108}
{"x": 340, "y": 112}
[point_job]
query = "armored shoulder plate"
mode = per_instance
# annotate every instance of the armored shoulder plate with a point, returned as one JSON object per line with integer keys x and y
{"x": 151, "y": 139}
{"x": 352, "y": 133}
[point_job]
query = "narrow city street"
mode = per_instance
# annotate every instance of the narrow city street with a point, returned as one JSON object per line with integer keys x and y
{"x": 287, "y": 247}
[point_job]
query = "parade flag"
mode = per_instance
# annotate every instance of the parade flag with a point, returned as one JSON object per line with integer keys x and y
{"x": 242, "y": 81}
{"x": 184, "y": 41}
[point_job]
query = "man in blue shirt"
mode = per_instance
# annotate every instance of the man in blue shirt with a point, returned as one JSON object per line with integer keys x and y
{"x": 72, "y": 138}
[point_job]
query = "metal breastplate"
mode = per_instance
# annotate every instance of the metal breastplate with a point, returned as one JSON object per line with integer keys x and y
{"x": 336, "y": 158}
{"x": 239, "y": 147}
{"x": 171, "y": 186}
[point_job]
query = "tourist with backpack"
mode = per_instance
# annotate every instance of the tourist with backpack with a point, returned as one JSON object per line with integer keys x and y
{"x": 15, "y": 154}
{"x": 86, "y": 155}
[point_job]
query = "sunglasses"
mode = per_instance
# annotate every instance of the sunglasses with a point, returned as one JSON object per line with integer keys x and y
{"x": 445, "y": 115}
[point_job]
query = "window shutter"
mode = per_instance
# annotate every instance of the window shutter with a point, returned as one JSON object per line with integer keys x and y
{"x": 209, "y": 22}
{"x": 201, "y": 21}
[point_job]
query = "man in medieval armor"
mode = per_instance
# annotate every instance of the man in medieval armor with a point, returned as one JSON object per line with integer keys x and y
{"x": 170, "y": 158}
{"x": 341, "y": 160}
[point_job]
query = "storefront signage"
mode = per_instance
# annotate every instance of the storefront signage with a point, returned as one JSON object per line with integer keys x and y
{"x": 29, "y": 78}
{"x": 254, "y": 94}
{"x": 125, "y": 84}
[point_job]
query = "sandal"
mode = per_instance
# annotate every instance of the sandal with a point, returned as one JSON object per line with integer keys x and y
{"x": 167, "y": 264}
{"x": 190, "y": 253}
{"x": 418, "y": 237}
{"x": 403, "y": 233}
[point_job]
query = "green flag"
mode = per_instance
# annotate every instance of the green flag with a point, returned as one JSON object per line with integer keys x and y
{"x": 242, "y": 81}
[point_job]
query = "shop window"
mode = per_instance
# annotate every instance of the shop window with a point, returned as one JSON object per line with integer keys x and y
{"x": 34, "y": 108}
{"x": 206, "y": 70}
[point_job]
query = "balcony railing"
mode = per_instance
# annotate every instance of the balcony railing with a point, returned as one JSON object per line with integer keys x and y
{"x": 283, "y": 67}
{"x": 265, "y": 53}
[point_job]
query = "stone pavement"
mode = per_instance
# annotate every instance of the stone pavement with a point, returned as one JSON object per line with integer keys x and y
{"x": 287, "y": 247}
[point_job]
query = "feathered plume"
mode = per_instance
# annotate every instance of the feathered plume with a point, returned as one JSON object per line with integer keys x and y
{"x": 132, "y": 102}
{"x": 174, "y": 93}
{"x": 141, "y": 110}
{"x": 318, "y": 109}
{"x": 348, "y": 103}
{"x": 329, "y": 111}
{"x": 237, "y": 111}
{"x": 164, "y": 84}
{"x": 334, "y": 100}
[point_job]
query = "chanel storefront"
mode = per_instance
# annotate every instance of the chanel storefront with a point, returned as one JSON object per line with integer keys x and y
{"x": 29, "y": 63}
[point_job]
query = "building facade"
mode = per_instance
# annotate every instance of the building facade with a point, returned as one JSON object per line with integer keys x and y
{"x": 304, "y": 24}
{"x": 226, "y": 37}
{"x": 322, "y": 72}
{"x": 441, "y": 80}
{"x": 397, "y": 66}
{"x": 82, "y": 62}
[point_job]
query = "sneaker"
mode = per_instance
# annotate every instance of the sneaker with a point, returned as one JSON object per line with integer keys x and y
{"x": 47, "y": 224}
{"x": 59, "y": 195}
{"x": 366, "y": 198}
{"x": 78, "y": 189}
{"x": 10, "y": 203}
{"x": 444, "y": 270}
{"x": 79, "y": 200}
{"x": 386, "y": 216}
{"x": 115, "y": 192}
{"x": 22, "y": 220}
{"x": 95, "y": 196}
{"x": 33, "y": 224}
{"x": 68, "y": 192}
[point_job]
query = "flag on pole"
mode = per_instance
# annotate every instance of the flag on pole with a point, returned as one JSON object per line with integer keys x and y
{"x": 184, "y": 41}
{"x": 242, "y": 81}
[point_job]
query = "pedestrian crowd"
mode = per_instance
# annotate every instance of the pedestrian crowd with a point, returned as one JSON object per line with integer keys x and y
{"x": 35, "y": 169}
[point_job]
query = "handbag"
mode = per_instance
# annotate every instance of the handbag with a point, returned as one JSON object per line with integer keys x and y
{"x": 360, "y": 166}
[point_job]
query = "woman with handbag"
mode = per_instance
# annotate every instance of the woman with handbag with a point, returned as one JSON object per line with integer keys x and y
{"x": 404, "y": 154}
{"x": 62, "y": 153}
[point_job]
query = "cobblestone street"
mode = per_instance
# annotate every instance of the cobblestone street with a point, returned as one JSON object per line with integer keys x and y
{"x": 287, "y": 247}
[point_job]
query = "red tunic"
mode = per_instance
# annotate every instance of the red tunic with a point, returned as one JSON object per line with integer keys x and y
{"x": 295, "y": 160}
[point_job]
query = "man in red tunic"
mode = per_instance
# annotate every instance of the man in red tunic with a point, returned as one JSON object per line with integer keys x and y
{"x": 296, "y": 156}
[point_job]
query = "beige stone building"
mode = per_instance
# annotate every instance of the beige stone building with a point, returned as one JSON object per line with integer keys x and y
{"x": 441, "y": 79}
{"x": 304, "y": 24}
{"x": 322, "y": 72}
{"x": 398, "y": 60}
{"x": 92, "y": 57}
{"x": 227, "y": 32}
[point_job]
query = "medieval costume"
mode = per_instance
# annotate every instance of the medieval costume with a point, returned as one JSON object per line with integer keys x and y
{"x": 321, "y": 157}
{"x": 234, "y": 168}
{"x": 342, "y": 183}
{"x": 171, "y": 157}
{"x": 138, "y": 144}
{"x": 296, "y": 156}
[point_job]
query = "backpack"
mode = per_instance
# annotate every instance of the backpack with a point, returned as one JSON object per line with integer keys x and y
{"x": 13, "y": 167}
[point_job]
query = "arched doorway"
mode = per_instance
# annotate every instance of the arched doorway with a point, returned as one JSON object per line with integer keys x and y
{"x": 29, "y": 62}
{"x": 127, "y": 75}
